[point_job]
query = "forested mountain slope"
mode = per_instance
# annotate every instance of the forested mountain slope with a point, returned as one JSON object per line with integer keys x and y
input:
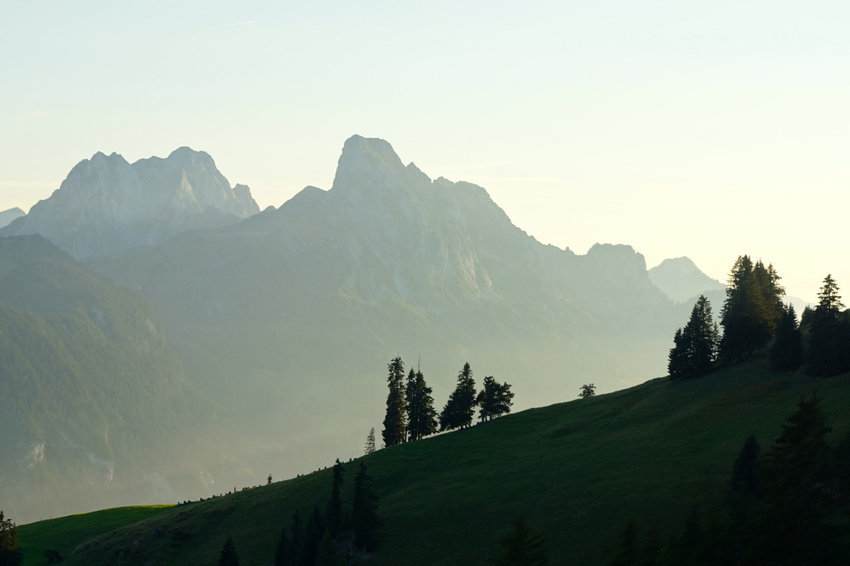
{"x": 95, "y": 408}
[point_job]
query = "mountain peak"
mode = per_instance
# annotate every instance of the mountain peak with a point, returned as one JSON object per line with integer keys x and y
{"x": 105, "y": 204}
{"x": 681, "y": 279}
{"x": 369, "y": 165}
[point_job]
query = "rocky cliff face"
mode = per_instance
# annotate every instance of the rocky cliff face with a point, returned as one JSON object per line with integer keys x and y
{"x": 107, "y": 204}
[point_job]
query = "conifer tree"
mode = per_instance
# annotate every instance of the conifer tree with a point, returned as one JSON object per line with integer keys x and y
{"x": 297, "y": 546}
{"x": 460, "y": 407}
{"x": 421, "y": 416}
{"x": 364, "y": 511}
{"x": 327, "y": 554}
{"x": 10, "y": 545}
{"x": 281, "y": 554}
{"x": 494, "y": 400}
{"x": 521, "y": 547}
{"x": 313, "y": 535}
{"x": 335, "y": 504}
{"x": 829, "y": 351}
{"x": 370, "y": 442}
{"x": 745, "y": 487}
{"x": 786, "y": 354}
{"x": 589, "y": 389}
{"x": 394, "y": 423}
{"x": 695, "y": 347}
{"x": 798, "y": 492}
{"x": 752, "y": 309}
{"x": 228, "y": 556}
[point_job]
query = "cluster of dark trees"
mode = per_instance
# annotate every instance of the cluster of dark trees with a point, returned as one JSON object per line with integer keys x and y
{"x": 754, "y": 317}
{"x": 331, "y": 538}
{"x": 410, "y": 407}
{"x": 788, "y": 506}
{"x": 521, "y": 547}
{"x": 10, "y": 545}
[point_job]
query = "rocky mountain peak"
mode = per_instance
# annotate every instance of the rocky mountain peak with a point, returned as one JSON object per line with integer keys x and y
{"x": 107, "y": 204}
{"x": 681, "y": 279}
{"x": 371, "y": 166}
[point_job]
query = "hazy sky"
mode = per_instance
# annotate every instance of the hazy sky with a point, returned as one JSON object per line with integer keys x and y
{"x": 706, "y": 129}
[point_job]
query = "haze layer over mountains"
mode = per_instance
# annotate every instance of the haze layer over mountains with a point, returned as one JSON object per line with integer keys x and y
{"x": 277, "y": 325}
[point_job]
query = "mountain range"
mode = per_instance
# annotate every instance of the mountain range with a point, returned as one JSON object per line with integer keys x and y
{"x": 284, "y": 320}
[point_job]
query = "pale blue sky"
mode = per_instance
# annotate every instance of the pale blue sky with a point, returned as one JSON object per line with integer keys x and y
{"x": 705, "y": 129}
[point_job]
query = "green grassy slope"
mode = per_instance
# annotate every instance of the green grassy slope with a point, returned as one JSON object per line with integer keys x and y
{"x": 65, "y": 533}
{"x": 578, "y": 471}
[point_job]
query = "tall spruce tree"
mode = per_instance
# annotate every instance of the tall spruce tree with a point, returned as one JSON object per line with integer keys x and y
{"x": 799, "y": 495}
{"x": 313, "y": 535}
{"x": 521, "y": 547}
{"x": 281, "y": 554}
{"x": 370, "y": 442}
{"x": 786, "y": 354}
{"x": 297, "y": 547}
{"x": 10, "y": 545}
{"x": 460, "y": 407}
{"x": 228, "y": 556}
{"x": 394, "y": 422}
{"x": 421, "y": 416}
{"x": 745, "y": 486}
{"x": 364, "y": 516}
{"x": 695, "y": 347}
{"x": 829, "y": 351}
{"x": 494, "y": 400}
{"x": 335, "y": 504}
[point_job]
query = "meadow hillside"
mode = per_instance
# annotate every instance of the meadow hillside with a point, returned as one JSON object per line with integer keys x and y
{"x": 578, "y": 471}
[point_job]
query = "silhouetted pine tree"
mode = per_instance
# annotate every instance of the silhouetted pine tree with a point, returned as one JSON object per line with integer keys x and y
{"x": 695, "y": 347}
{"x": 297, "y": 548}
{"x": 370, "y": 442}
{"x": 752, "y": 309}
{"x": 798, "y": 493}
{"x": 828, "y": 347}
{"x": 786, "y": 354}
{"x": 312, "y": 535}
{"x": 421, "y": 416}
{"x": 745, "y": 486}
{"x": 228, "y": 556}
{"x": 10, "y": 545}
{"x": 394, "y": 422}
{"x": 281, "y": 554}
{"x": 494, "y": 400}
{"x": 521, "y": 548}
{"x": 335, "y": 504}
{"x": 327, "y": 554}
{"x": 364, "y": 516}
{"x": 460, "y": 407}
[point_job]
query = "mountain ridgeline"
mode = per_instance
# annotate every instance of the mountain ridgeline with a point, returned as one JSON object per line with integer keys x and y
{"x": 280, "y": 318}
{"x": 285, "y": 315}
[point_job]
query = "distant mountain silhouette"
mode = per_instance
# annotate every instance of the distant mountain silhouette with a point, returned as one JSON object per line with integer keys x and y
{"x": 106, "y": 204}
{"x": 681, "y": 279}
{"x": 9, "y": 215}
{"x": 289, "y": 317}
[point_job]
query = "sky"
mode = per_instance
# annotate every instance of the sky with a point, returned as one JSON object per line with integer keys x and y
{"x": 699, "y": 129}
